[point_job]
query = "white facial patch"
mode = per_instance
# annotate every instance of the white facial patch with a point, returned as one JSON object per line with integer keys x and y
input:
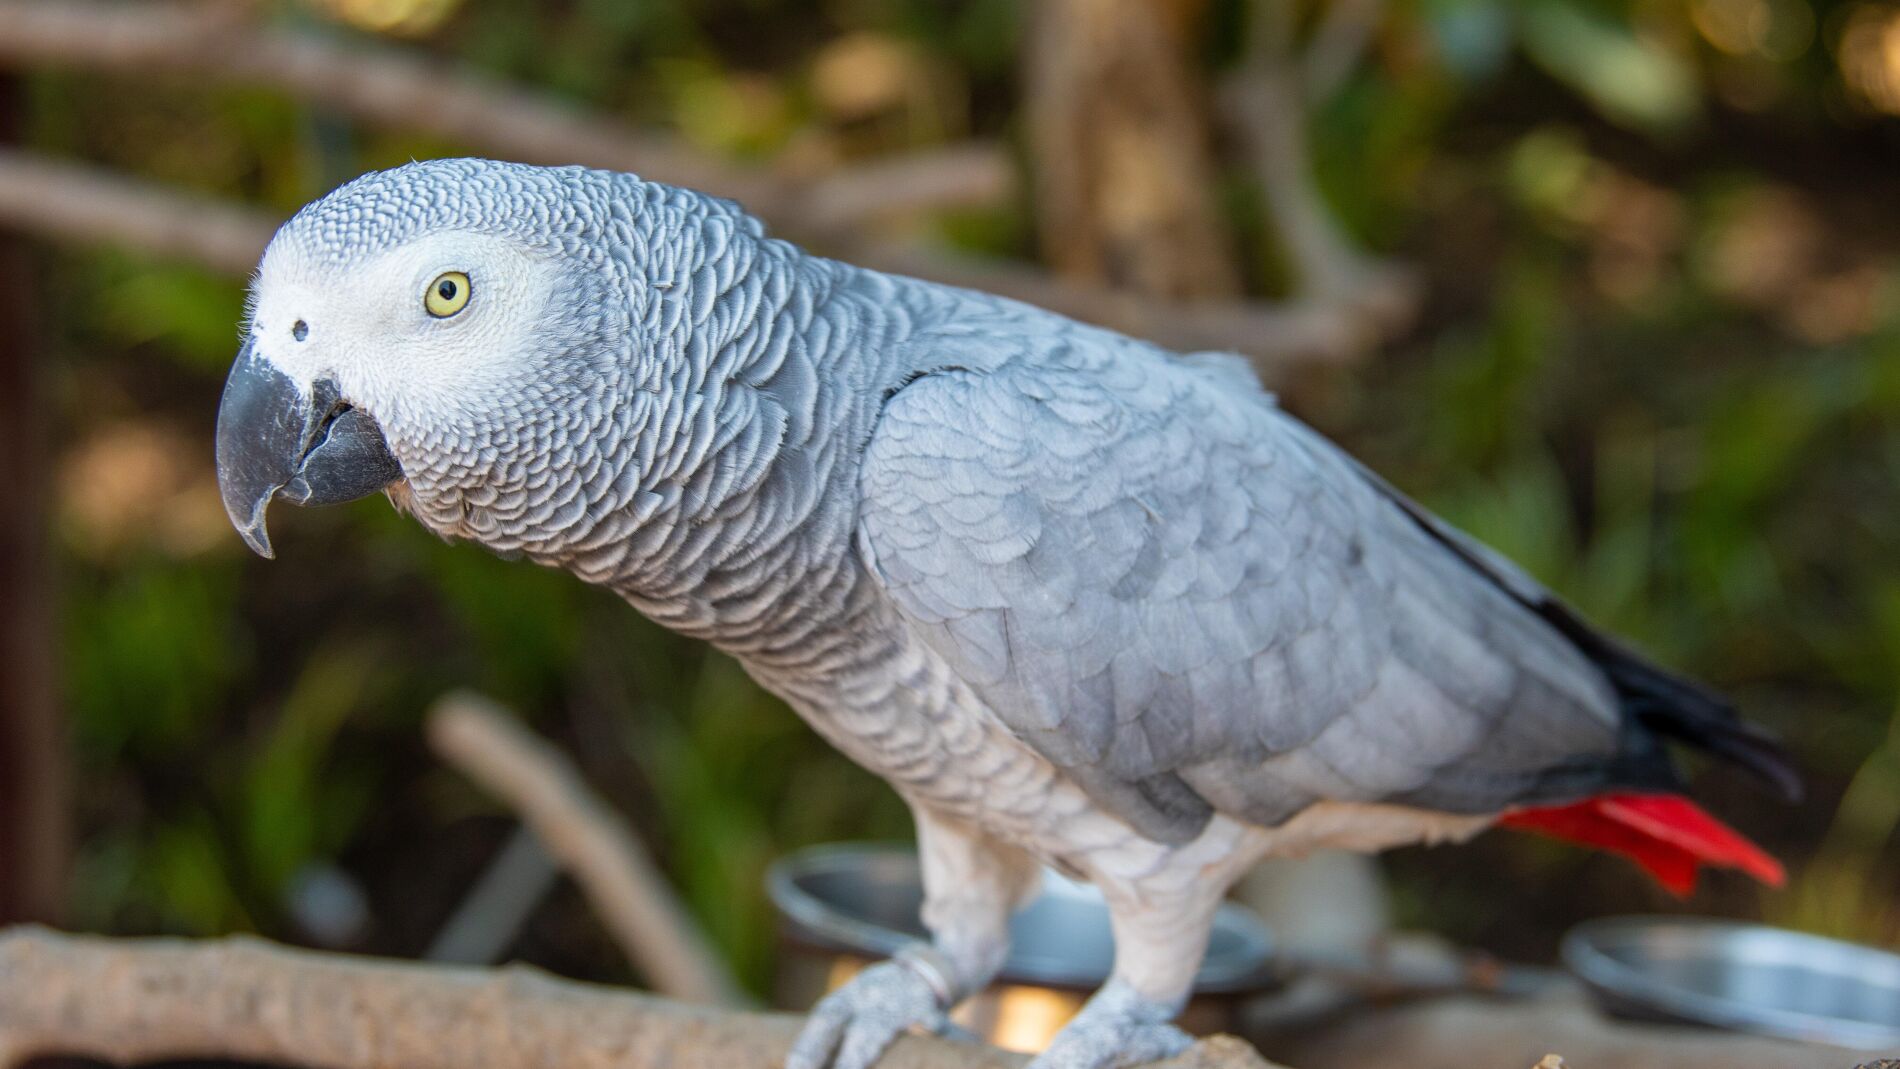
{"x": 365, "y": 323}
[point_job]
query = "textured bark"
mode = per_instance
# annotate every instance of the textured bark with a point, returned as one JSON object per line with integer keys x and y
{"x": 33, "y": 763}
{"x": 1118, "y": 133}
{"x": 148, "y": 1000}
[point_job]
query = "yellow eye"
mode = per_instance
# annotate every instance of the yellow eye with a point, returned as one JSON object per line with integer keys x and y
{"x": 447, "y": 295}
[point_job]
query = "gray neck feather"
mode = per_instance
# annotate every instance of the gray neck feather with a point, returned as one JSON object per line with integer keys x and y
{"x": 732, "y": 514}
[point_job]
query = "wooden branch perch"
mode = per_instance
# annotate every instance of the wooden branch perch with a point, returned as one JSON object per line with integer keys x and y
{"x": 143, "y": 1000}
{"x": 146, "y": 1000}
{"x": 590, "y": 842}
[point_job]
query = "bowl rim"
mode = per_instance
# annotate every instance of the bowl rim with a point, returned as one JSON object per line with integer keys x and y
{"x": 817, "y": 920}
{"x": 1583, "y": 951}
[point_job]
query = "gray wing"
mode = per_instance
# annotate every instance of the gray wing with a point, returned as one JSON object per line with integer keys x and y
{"x": 1190, "y": 602}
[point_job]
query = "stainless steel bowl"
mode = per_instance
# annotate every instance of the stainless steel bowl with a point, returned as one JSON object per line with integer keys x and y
{"x": 1745, "y": 978}
{"x": 845, "y": 906}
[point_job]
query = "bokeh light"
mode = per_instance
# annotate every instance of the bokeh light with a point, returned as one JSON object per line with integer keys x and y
{"x": 1870, "y": 55}
{"x": 401, "y": 18}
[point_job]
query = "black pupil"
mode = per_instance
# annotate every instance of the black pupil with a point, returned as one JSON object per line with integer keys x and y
{"x": 447, "y": 289}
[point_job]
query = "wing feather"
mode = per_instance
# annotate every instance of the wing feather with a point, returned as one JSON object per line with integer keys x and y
{"x": 1190, "y": 602}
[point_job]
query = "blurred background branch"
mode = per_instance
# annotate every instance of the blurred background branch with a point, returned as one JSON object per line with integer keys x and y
{"x": 1338, "y": 44}
{"x": 1119, "y": 139}
{"x": 623, "y": 885}
{"x": 1269, "y": 101}
{"x": 71, "y": 202}
{"x": 92, "y": 206}
{"x": 378, "y": 84}
{"x": 229, "y": 44}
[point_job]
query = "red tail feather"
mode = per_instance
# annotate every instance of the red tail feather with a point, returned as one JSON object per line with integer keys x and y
{"x": 1664, "y": 833}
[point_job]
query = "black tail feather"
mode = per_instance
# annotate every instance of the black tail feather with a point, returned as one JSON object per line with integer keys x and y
{"x": 1657, "y": 700}
{"x": 1679, "y": 707}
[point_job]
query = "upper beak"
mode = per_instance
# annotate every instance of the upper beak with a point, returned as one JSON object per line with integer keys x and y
{"x": 276, "y": 441}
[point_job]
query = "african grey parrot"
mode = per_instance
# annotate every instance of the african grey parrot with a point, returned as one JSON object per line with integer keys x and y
{"x": 1082, "y": 601}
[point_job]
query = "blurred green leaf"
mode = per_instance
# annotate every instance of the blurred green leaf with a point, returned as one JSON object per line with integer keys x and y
{"x": 286, "y": 792}
{"x": 1631, "y": 79}
{"x": 193, "y": 314}
{"x": 147, "y": 664}
{"x": 190, "y": 879}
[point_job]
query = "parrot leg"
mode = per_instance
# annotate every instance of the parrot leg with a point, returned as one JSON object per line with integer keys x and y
{"x": 1159, "y": 944}
{"x": 1117, "y": 1027}
{"x": 972, "y": 883}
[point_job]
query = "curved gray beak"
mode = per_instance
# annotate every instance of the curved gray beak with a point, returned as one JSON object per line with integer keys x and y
{"x": 276, "y": 442}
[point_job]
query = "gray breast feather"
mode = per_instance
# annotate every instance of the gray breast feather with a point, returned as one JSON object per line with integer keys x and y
{"x": 1192, "y": 603}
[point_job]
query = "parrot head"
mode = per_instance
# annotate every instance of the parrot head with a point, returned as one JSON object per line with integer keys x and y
{"x": 469, "y": 336}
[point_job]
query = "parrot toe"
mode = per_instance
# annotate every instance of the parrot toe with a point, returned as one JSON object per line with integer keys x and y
{"x": 1117, "y": 1028}
{"x": 852, "y": 1026}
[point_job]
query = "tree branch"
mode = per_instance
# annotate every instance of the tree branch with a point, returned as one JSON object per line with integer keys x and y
{"x": 146, "y": 1000}
{"x": 91, "y": 206}
{"x": 970, "y": 175}
{"x": 74, "y": 202}
{"x": 1117, "y": 135}
{"x": 1278, "y": 336}
{"x": 1337, "y": 44}
{"x": 130, "y": 1001}
{"x": 390, "y": 87}
{"x": 379, "y": 84}
{"x": 1267, "y": 105}
{"x": 590, "y": 841}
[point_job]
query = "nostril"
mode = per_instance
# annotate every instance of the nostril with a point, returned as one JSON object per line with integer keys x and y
{"x": 300, "y": 330}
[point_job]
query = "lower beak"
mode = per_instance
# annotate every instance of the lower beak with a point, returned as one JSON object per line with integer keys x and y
{"x": 275, "y": 441}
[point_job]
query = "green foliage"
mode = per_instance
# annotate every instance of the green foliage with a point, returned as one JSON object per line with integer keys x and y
{"x": 295, "y": 806}
{"x": 1633, "y": 81}
{"x": 183, "y": 310}
{"x": 148, "y": 658}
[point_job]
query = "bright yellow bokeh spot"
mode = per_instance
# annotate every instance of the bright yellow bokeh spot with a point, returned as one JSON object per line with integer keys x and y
{"x": 1779, "y": 30}
{"x": 402, "y": 18}
{"x": 1870, "y": 55}
{"x": 1027, "y": 1018}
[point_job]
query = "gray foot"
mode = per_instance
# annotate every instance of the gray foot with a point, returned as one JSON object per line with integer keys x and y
{"x": 851, "y": 1026}
{"x": 1117, "y": 1028}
